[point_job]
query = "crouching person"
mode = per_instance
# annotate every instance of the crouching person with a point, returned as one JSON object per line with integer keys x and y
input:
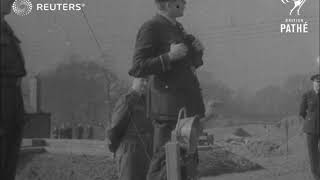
{"x": 130, "y": 134}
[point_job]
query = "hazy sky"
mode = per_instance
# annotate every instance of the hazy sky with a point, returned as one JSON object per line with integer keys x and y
{"x": 244, "y": 47}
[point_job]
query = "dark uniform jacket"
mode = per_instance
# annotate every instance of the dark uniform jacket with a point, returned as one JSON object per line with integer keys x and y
{"x": 12, "y": 111}
{"x": 129, "y": 120}
{"x": 173, "y": 85}
{"x": 11, "y": 69}
{"x": 12, "y": 62}
{"x": 309, "y": 110}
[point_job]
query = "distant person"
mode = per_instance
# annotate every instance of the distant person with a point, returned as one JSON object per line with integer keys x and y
{"x": 131, "y": 133}
{"x": 68, "y": 131}
{"x": 309, "y": 111}
{"x": 90, "y": 132}
{"x": 62, "y": 132}
{"x": 12, "y": 70}
{"x": 80, "y": 131}
{"x": 55, "y": 132}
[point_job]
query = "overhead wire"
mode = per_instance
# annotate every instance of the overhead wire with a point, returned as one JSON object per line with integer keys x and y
{"x": 223, "y": 34}
{"x": 92, "y": 31}
{"x": 226, "y": 34}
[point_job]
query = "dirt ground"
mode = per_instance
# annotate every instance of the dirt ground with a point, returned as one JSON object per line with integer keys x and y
{"x": 268, "y": 147}
{"x": 264, "y": 155}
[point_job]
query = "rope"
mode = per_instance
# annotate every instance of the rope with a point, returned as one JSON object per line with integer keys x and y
{"x": 92, "y": 31}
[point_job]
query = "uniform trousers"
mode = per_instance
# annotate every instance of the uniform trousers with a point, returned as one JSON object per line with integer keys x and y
{"x": 314, "y": 154}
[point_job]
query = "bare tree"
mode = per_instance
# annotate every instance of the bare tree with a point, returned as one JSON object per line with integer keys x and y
{"x": 81, "y": 91}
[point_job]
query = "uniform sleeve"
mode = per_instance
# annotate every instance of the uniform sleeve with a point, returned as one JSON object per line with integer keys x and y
{"x": 197, "y": 60}
{"x": 303, "y": 106}
{"x": 145, "y": 60}
{"x": 119, "y": 123}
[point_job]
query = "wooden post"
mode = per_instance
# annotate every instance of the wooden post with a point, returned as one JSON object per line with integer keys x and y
{"x": 33, "y": 95}
{"x": 38, "y": 82}
{"x": 287, "y": 136}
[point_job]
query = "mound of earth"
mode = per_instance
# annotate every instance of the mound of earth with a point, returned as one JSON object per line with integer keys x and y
{"x": 263, "y": 148}
{"x": 241, "y": 133}
{"x": 220, "y": 161}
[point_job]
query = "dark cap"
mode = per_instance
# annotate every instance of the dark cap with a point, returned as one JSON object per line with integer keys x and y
{"x": 315, "y": 77}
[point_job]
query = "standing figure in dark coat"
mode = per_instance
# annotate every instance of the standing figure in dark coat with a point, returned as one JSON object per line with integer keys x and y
{"x": 69, "y": 131}
{"x": 130, "y": 134}
{"x": 80, "y": 131}
{"x": 12, "y": 70}
{"x": 66, "y": 131}
{"x": 309, "y": 111}
{"x": 170, "y": 56}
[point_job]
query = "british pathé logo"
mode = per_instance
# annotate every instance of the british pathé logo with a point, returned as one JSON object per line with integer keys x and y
{"x": 295, "y": 25}
{"x": 296, "y": 5}
{"x": 22, "y": 7}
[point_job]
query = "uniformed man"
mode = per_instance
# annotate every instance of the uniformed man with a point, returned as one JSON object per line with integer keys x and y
{"x": 131, "y": 133}
{"x": 170, "y": 56}
{"x": 12, "y": 110}
{"x": 309, "y": 111}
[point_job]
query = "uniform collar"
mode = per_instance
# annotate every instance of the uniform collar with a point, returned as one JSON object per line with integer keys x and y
{"x": 314, "y": 93}
{"x": 164, "y": 19}
{"x": 5, "y": 27}
{"x": 135, "y": 93}
{"x": 170, "y": 20}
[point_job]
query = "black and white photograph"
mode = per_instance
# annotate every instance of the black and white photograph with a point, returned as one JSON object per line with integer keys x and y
{"x": 159, "y": 90}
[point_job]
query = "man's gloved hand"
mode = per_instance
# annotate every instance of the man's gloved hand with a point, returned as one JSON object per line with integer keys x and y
{"x": 197, "y": 45}
{"x": 177, "y": 51}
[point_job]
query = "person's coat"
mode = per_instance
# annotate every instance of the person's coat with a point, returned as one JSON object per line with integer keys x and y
{"x": 173, "y": 85}
{"x": 309, "y": 111}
